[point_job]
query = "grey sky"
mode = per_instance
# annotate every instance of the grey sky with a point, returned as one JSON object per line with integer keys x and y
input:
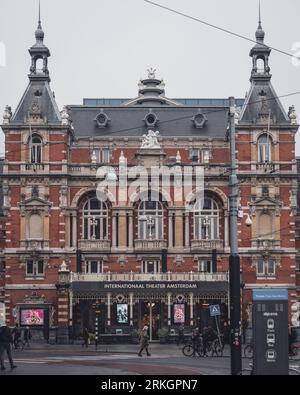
{"x": 100, "y": 48}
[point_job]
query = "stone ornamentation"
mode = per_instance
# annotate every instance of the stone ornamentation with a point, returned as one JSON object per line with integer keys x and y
{"x": 150, "y": 141}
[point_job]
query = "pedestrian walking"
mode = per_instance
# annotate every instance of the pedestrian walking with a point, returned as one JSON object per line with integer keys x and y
{"x": 27, "y": 336}
{"x": 144, "y": 341}
{"x": 180, "y": 338}
{"x": 6, "y": 340}
{"x": 195, "y": 340}
{"x": 16, "y": 332}
{"x": 86, "y": 338}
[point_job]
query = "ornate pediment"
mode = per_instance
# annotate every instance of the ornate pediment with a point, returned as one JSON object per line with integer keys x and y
{"x": 35, "y": 205}
{"x": 265, "y": 204}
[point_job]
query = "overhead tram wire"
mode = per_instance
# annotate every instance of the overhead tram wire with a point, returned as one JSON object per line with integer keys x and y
{"x": 219, "y": 28}
{"x": 176, "y": 119}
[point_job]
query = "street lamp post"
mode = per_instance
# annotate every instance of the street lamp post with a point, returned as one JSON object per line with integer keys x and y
{"x": 234, "y": 259}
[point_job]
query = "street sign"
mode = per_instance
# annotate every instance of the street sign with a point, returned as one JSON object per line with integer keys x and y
{"x": 214, "y": 310}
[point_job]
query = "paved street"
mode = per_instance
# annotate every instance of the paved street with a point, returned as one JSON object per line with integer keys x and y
{"x": 114, "y": 360}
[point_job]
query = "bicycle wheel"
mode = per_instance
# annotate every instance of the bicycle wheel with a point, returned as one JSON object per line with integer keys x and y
{"x": 248, "y": 351}
{"x": 188, "y": 350}
{"x": 200, "y": 350}
{"x": 218, "y": 350}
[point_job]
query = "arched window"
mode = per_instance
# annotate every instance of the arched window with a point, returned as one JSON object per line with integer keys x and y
{"x": 264, "y": 148}
{"x": 206, "y": 219}
{"x": 36, "y": 149}
{"x": 150, "y": 218}
{"x": 95, "y": 215}
{"x": 260, "y": 64}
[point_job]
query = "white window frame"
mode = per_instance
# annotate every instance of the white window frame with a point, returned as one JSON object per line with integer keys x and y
{"x": 100, "y": 215}
{"x": 156, "y": 266}
{"x": 88, "y": 266}
{"x": 264, "y": 268}
{"x": 36, "y": 149}
{"x": 206, "y": 220}
{"x": 204, "y": 265}
{"x": 35, "y": 267}
{"x": 153, "y": 214}
{"x": 264, "y": 148}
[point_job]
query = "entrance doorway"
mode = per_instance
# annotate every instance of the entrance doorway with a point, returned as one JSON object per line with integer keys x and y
{"x": 151, "y": 316}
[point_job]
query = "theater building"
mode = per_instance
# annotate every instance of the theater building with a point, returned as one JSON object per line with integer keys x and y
{"x": 76, "y": 255}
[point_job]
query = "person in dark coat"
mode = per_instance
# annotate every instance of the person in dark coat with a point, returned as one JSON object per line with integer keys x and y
{"x": 144, "y": 341}
{"x": 180, "y": 338}
{"x": 6, "y": 340}
{"x": 86, "y": 337}
{"x": 27, "y": 336}
{"x": 16, "y": 332}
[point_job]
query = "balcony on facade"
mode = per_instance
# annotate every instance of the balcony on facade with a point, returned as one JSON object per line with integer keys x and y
{"x": 151, "y": 245}
{"x": 266, "y": 167}
{"x": 169, "y": 276}
{"x": 99, "y": 245}
{"x": 34, "y": 244}
{"x": 206, "y": 245}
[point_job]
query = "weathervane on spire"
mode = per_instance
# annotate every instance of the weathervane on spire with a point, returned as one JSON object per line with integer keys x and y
{"x": 151, "y": 73}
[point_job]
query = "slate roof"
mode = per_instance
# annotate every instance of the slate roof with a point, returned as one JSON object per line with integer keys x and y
{"x": 45, "y": 100}
{"x": 128, "y": 121}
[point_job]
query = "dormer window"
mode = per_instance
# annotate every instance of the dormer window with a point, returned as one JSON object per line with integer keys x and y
{"x": 36, "y": 149}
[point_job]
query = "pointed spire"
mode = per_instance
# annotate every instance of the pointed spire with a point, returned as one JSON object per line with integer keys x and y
{"x": 39, "y": 33}
{"x": 260, "y": 34}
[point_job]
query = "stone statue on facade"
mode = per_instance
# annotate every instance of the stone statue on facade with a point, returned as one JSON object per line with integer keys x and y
{"x": 151, "y": 73}
{"x": 150, "y": 141}
{"x": 65, "y": 117}
{"x": 7, "y": 115}
{"x": 292, "y": 115}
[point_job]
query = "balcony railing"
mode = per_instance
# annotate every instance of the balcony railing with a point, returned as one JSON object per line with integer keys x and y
{"x": 206, "y": 244}
{"x": 34, "y": 166}
{"x": 267, "y": 244}
{"x": 103, "y": 245}
{"x": 152, "y": 245}
{"x": 265, "y": 167}
{"x": 34, "y": 244}
{"x": 190, "y": 276}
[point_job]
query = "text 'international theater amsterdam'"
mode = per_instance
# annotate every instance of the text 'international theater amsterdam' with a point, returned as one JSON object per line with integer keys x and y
{"x": 89, "y": 230}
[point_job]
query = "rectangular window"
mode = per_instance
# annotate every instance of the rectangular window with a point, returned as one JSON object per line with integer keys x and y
{"x": 35, "y": 268}
{"x": 205, "y": 266}
{"x": 40, "y": 268}
{"x": 298, "y": 265}
{"x": 266, "y": 269}
{"x": 151, "y": 267}
{"x": 105, "y": 155}
{"x": 93, "y": 267}
{"x": 29, "y": 268}
{"x": 195, "y": 155}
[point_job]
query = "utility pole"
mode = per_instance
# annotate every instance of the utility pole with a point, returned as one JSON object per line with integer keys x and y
{"x": 234, "y": 259}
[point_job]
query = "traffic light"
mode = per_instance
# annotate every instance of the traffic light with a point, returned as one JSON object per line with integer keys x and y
{"x": 164, "y": 259}
{"x": 214, "y": 260}
{"x": 78, "y": 261}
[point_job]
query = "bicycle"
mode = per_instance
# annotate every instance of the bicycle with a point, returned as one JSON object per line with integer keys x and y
{"x": 215, "y": 348}
{"x": 191, "y": 349}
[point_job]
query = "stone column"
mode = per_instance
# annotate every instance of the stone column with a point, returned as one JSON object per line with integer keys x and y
{"x": 131, "y": 309}
{"x": 226, "y": 229}
{"x": 187, "y": 230}
{"x": 130, "y": 218}
{"x": 114, "y": 229}
{"x": 169, "y": 309}
{"x": 74, "y": 229}
{"x": 170, "y": 235}
{"x": 191, "y": 309}
{"x": 62, "y": 287}
{"x": 108, "y": 308}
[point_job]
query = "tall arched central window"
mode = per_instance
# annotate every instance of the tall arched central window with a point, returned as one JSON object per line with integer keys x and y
{"x": 206, "y": 219}
{"x": 95, "y": 215}
{"x": 36, "y": 149}
{"x": 264, "y": 148}
{"x": 150, "y": 217}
